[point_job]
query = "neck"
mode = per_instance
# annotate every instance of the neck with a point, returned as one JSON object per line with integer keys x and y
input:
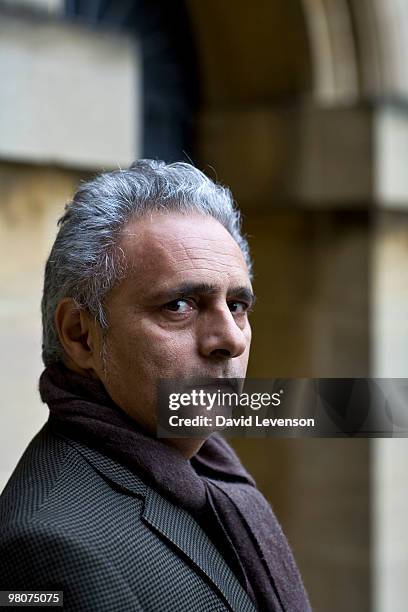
{"x": 188, "y": 447}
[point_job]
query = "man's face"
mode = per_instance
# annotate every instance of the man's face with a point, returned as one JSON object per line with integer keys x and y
{"x": 180, "y": 312}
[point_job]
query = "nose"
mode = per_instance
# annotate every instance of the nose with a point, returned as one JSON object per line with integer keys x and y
{"x": 221, "y": 336}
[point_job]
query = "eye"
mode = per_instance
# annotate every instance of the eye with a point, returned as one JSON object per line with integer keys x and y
{"x": 179, "y": 306}
{"x": 238, "y": 307}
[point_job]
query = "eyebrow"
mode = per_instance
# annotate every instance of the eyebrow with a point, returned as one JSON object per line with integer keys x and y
{"x": 187, "y": 289}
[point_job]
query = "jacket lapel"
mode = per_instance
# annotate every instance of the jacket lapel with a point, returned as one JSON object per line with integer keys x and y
{"x": 114, "y": 471}
{"x": 178, "y": 527}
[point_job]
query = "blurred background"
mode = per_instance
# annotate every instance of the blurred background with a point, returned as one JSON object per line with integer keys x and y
{"x": 301, "y": 107}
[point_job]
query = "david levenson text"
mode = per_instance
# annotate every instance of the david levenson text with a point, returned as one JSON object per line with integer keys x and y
{"x": 248, "y": 421}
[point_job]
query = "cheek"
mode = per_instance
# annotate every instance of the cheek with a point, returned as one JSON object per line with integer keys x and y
{"x": 171, "y": 352}
{"x": 245, "y": 355}
{"x": 150, "y": 349}
{"x": 247, "y": 331}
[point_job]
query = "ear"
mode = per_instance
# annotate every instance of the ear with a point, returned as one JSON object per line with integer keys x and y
{"x": 78, "y": 334}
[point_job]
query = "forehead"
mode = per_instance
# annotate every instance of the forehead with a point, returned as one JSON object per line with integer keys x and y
{"x": 165, "y": 248}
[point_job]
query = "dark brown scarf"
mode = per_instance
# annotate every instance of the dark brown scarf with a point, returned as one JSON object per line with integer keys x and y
{"x": 213, "y": 486}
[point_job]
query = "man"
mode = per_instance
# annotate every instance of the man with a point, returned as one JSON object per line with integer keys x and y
{"x": 148, "y": 278}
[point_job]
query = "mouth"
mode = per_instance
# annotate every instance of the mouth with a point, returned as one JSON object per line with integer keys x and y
{"x": 214, "y": 384}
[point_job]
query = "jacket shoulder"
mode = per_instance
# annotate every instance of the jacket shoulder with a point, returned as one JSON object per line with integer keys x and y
{"x": 34, "y": 477}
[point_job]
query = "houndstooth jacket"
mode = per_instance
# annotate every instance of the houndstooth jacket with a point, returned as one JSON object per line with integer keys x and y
{"x": 72, "y": 519}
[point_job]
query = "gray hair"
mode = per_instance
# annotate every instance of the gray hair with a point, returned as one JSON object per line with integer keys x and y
{"x": 86, "y": 261}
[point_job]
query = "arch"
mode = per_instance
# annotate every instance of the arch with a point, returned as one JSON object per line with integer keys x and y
{"x": 333, "y": 50}
{"x": 358, "y": 48}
